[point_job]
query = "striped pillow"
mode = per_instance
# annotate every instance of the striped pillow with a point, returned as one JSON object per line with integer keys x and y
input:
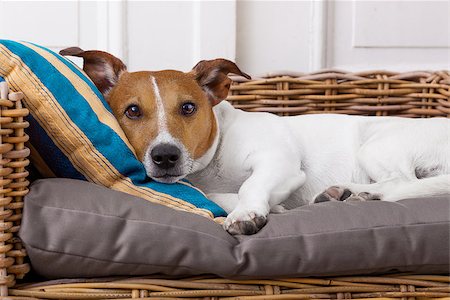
{"x": 73, "y": 133}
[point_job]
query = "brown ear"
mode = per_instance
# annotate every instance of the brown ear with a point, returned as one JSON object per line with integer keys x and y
{"x": 212, "y": 77}
{"x": 103, "y": 68}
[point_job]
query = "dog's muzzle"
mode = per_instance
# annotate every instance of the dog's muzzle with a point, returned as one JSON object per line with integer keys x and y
{"x": 165, "y": 163}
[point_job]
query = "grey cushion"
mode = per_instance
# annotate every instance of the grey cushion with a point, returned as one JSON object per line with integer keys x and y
{"x": 78, "y": 229}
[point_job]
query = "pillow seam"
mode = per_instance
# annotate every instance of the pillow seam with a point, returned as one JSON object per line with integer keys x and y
{"x": 107, "y": 261}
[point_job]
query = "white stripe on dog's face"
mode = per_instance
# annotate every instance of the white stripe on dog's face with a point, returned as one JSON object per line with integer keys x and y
{"x": 164, "y": 135}
{"x": 161, "y": 114}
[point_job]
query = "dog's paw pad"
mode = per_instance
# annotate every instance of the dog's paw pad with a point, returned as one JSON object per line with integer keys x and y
{"x": 334, "y": 193}
{"x": 250, "y": 224}
{"x": 364, "y": 196}
{"x": 260, "y": 222}
{"x": 242, "y": 227}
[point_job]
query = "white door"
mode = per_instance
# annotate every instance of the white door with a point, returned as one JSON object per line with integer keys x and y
{"x": 262, "y": 36}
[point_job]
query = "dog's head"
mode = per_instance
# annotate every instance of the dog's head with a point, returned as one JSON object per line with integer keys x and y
{"x": 167, "y": 115}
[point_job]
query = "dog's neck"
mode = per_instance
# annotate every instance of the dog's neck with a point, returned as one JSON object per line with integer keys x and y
{"x": 223, "y": 115}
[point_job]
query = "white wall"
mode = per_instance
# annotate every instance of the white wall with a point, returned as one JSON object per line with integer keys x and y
{"x": 262, "y": 36}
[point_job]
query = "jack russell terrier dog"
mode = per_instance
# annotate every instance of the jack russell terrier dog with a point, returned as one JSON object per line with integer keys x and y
{"x": 254, "y": 163}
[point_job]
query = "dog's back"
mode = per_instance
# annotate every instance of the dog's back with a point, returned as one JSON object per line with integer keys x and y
{"x": 338, "y": 148}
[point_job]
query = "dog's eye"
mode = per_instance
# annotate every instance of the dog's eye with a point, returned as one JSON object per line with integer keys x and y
{"x": 133, "y": 112}
{"x": 188, "y": 108}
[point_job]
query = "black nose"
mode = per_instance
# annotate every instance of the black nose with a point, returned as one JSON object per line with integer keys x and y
{"x": 165, "y": 156}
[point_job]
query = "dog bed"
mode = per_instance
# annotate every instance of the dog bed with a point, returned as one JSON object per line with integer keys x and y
{"x": 129, "y": 236}
{"x": 413, "y": 94}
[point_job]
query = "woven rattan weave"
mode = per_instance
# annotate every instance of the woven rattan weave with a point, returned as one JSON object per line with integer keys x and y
{"x": 379, "y": 93}
{"x": 14, "y": 183}
{"x": 398, "y": 287}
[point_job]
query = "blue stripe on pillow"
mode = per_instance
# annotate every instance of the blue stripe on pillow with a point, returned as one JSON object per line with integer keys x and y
{"x": 85, "y": 118}
{"x": 40, "y": 140}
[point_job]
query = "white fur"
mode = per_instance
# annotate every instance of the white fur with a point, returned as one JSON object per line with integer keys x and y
{"x": 262, "y": 160}
{"x": 160, "y": 112}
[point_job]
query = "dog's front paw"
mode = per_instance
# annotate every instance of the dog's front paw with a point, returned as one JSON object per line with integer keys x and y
{"x": 338, "y": 193}
{"x": 243, "y": 222}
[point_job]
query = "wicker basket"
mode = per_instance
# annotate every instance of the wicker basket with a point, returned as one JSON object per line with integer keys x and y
{"x": 380, "y": 93}
{"x": 379, "y": 287}
{"x": 14, "y": 183}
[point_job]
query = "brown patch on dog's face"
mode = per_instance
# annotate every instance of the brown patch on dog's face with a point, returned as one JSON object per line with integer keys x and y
{"x": 196, "y": 131}
{"x": 135, "y": 89}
